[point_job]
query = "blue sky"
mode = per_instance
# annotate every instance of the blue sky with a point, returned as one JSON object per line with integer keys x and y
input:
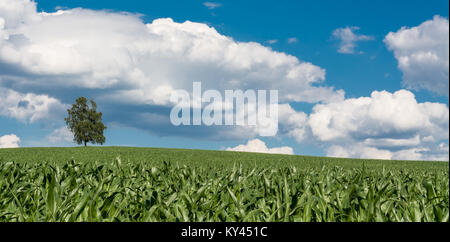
{"x": 371, "y": 67}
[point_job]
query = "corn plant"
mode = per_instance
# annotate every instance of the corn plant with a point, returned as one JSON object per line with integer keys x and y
{"x": 123, "y": 189}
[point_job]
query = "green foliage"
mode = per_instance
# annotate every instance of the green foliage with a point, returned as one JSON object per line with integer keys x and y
{"x": 139, "y": 184}
{"x": 85, "y": 122}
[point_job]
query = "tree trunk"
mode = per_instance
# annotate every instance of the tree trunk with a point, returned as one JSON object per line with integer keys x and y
{"x": 85, "y": 143}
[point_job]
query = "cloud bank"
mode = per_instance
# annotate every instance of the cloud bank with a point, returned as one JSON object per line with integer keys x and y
{"x": 118, "y": 53}
{"x": 384, "y": 125}
{"x": 131, "y": 67}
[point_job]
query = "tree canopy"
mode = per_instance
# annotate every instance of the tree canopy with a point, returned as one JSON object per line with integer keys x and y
{"x": 85, "y": 122}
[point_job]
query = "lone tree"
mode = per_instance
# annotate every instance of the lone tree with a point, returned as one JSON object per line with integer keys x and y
{"x": 85, "y": 122}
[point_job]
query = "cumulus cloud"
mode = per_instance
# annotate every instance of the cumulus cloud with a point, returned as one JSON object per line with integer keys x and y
{"x": 422, "y": 53}
{"x": 15, "y": 12}
{"x": 123, "y": 62}
{"x": 61, "y": 135}
{"x": 147, "y": 61}
{"x": 9, "y": 141}
{"x": 349, "y": 38}
{"x": 293, "y": 123}
{"x": 259, "y": 146}
{"x": 384, "y": 125}
{"x": 28, "y": 107}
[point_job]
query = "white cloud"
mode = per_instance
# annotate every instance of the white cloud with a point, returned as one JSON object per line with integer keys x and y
{"x": 28, "y": 107}
{"x": 272, "y": 41}
{"x": 61, "y": 135}
{"x": 292, "y": 123}
{"x": 358, "y": 151}
{"x": 259, "y": 146}
{"x": 123, "y": 62}
{"x": 9, "y": 141}
{"x": 292, "y": 40}
{"x": 349, "y": 39}
{"x": 422, "y": 53}
{"x": 118, "y": 53}
{"x": 15, "y": 12}
{"x": 379, "y": 116}
{"x": 384, "y": 125}
{"x": 212, "y": 5}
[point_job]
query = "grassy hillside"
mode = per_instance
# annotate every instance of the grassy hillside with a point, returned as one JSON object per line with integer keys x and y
{"x": 149, "y": 184}
{"x": 199, "y": 157}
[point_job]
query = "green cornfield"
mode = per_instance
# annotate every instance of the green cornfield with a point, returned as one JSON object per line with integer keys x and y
{"x": 144, "y": 184}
